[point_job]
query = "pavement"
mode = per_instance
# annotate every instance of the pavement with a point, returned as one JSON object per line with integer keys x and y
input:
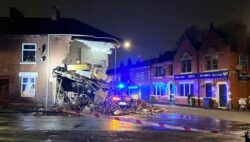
{"x": 231, "y": 115}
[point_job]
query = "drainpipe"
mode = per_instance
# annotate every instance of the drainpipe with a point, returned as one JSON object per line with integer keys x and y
{"x": 47, "y": 79}
{"x": 198, "y": 72}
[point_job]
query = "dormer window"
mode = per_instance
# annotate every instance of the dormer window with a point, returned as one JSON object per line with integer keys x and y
{"x": 186, "y": 65}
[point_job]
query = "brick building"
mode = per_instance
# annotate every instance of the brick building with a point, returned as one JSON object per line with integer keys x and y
{"x": 32, "y": 47}
{"x": 209, "y": 68}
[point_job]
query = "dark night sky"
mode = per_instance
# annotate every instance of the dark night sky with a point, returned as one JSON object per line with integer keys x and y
{"x": 151, "y": 25}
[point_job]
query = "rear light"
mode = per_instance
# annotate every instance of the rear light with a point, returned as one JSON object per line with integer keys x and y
{"x": 127, "y": 98}
{"x": 116, "y": 99}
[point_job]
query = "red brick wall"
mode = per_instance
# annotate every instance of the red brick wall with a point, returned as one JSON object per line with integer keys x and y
{"x": 11, "y": 54}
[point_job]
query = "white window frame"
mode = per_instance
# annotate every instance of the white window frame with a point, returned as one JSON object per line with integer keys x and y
{"x": 28, "y": 75}
{"x": 189, "y": 88}
{"x": 23, "y": 44}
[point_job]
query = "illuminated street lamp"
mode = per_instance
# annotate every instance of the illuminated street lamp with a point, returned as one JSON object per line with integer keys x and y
{"x": 126, "y": 45}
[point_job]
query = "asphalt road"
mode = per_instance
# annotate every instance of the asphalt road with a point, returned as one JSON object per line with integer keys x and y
{"x": 87, "y": 128}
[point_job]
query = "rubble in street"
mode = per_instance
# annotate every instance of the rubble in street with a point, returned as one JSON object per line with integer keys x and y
{"x": 91, "y": 90}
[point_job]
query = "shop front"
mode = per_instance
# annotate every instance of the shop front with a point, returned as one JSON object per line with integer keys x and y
{"x": 215, "y": 89}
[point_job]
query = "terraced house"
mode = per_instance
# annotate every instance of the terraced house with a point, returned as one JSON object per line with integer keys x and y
{"x": 32, "y": 47}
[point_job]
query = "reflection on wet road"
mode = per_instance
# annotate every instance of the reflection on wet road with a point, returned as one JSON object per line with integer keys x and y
{"x": 20, "y": 127}
{"x": 29, "y": 122}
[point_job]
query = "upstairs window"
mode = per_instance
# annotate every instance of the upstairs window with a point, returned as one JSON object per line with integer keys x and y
{"x": 243, "y": 61}
{"x": 211, "y": 59}
{"x": 171, "y": 68}
{"x": 211, "y": 62}
{"x": 186, "y": 65}
{"x": 160, "y": 71}
{"x": 28, "y": 52}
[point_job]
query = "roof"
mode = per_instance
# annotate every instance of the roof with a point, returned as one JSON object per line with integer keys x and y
{"x": 29, "y": 26}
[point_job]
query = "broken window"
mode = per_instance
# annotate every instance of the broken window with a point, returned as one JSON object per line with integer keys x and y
{"x": 28, "y": 82}
{"x": 28, "y": 52}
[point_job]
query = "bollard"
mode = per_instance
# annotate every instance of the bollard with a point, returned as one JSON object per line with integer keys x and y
{"x": 247, "y": 139}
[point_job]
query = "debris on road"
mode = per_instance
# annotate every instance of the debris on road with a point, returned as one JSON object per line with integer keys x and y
{"x": 91, "y": 90}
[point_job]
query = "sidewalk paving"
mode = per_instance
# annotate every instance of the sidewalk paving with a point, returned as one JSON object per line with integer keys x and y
{"x": 232, "y": 115}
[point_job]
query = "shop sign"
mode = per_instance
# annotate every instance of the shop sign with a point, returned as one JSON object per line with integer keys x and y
{"x": 243, "y": 76}
{"x": 218, "y": 74}
{"x": 185, "y": 76}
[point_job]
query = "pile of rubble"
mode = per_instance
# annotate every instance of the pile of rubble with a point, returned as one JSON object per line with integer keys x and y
{"x": 90, "y": 91}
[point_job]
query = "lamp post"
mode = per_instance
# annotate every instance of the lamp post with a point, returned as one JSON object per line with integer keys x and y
{"x": 126, "y": 45}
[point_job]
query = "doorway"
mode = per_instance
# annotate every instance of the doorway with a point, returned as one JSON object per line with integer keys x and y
{"x": 222, "y": 95}
{"x": 4, "y": 88}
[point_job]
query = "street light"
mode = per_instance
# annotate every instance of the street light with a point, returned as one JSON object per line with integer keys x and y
{"x": 126, "y": 45}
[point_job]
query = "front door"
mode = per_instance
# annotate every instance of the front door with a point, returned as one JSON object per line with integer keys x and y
{"x": 223, "y": 95}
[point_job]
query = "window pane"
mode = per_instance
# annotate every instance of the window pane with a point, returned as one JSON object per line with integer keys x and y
{"x": 187, "y": 90}
{"x": 181, "y": 90}
{"x": 189, "y": 66}
{"x": 183, "y": 66}
{"x": 215, "y": 64}
{"x": 29, "y": 56}
{"x": 208, "y": 64}
{"x": 171, "y": 69}
{"x": 25, "y": 80}
{"x": 29, "y": 47}
{"x": 192, "y": 89}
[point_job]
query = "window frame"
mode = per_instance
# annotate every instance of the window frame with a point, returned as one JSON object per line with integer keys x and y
{"x": 171, "y": 70}
{"x": 183, "y": 89}
{"x": 211, "y": 58}
{"x": 29, "y": 75}
{"x": 158, "y": 71}
{"x": 186, "y": 63}
{"x": 22, "y": 60}
{"x": 240, "y": 61}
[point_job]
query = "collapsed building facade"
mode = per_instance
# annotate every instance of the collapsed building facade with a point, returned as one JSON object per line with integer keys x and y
{"x": 50, "y": 60}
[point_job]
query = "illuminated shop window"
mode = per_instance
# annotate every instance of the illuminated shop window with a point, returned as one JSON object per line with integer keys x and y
{"x": 28, "y": 82}
{"x": 186, "y": 64}
{"x": 28, "y": 52}
{"x": 160, "y": 89}
{"x": 186, "y": 89}
{"x": 208, "y": 90}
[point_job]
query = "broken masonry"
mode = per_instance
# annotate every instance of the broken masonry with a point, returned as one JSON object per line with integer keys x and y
{"x": 90, "y": 90}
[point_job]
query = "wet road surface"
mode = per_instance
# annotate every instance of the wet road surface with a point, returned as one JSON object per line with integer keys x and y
{"x": 23, "y": 127}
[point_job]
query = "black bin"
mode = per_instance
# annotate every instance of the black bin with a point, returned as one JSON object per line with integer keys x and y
{"x": 208, "y": 102}
{"x": 192, "y": 102}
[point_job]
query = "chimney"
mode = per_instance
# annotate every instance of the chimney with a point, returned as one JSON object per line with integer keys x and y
{"x": 55, "y": 13}
{"x": 15, "y": 13}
